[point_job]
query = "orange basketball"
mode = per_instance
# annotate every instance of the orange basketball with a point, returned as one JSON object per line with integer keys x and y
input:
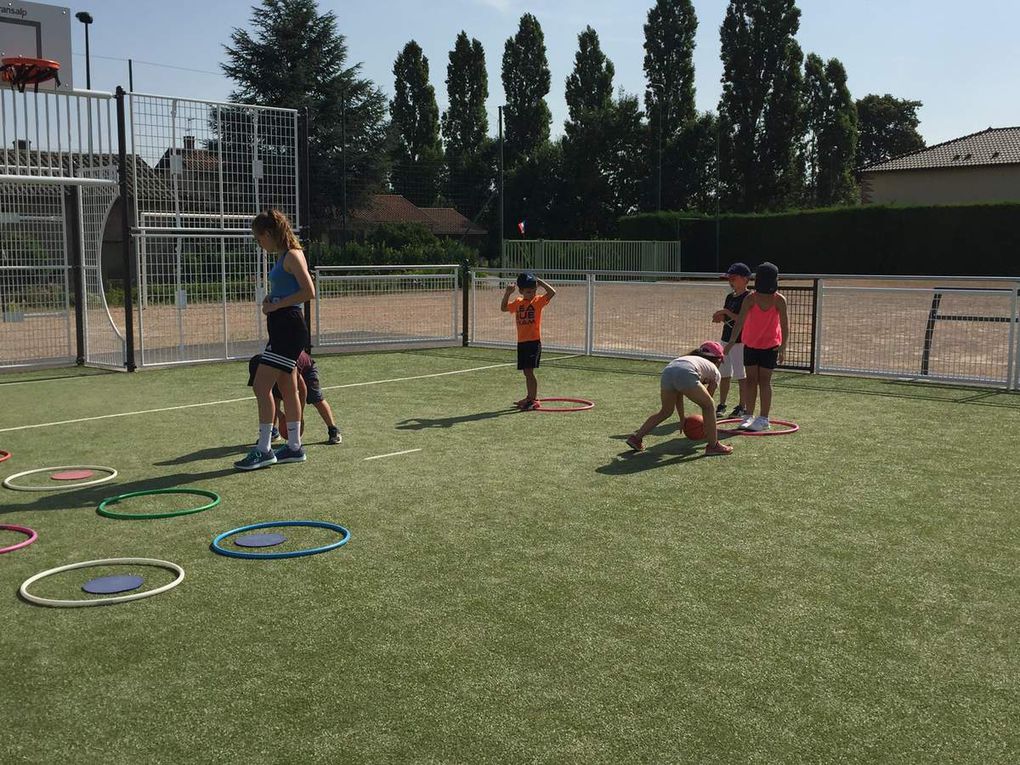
{"x": 694, "y": 427}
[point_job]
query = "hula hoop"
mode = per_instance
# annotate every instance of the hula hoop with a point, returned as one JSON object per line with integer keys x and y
{"x": 32, "y": 536}
{"x": 149, "y": 516}
{"x": 584, "y": 404}
{"x": 101, "y": 601}
{"x": 791, "y": 427}
{"x": 276, "y": 524}
{"x": 4, "y": 455}
{"x": 8, "y": 480}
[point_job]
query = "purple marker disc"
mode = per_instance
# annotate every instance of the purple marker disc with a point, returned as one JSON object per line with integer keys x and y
{"x": 260, "y": 540}
{"x": 108, "y": 585}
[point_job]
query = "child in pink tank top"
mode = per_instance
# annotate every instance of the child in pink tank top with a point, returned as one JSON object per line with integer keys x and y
{"x": 764, "y": 328}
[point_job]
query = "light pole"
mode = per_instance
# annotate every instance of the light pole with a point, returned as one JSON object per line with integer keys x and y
{"x": 658, "y": 192}
{"x": 86, "y": 18}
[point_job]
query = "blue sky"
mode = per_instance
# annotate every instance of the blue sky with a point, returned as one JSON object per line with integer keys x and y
{"x": 960, "y": 59}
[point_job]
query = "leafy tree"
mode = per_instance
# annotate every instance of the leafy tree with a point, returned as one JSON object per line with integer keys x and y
{"x": 465, "y": 127}
{"x": 417, "y": 150}
{"x": 761, "y": 114}
{"x": 831, "y": 117}
{"x": 526, "y": 83}
{"x": 294, "y": 57}
{"x": 888, "y": 128}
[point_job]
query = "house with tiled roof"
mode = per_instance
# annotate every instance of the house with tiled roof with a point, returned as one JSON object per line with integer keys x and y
{"x": 981, "y": 167}
{"x": 444, "y": 222}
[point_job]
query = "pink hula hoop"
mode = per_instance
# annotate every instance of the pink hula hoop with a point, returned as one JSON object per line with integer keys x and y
{"x": 4, "y": 456}
{"x": 584, "y": 404}
{"x": 791, "y": 427}
{"x": 32, "y": 536}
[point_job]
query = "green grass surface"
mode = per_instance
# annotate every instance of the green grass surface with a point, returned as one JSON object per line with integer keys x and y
{"x": 521, "y": 589}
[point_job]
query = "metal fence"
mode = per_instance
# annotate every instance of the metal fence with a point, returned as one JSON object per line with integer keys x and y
{"x": 386, "y": 306}
{"x": 58, "y": 185}
{"x": 966, "y": 332}
{"x": 194, "y": 175}
{"x": 597, "y": 255}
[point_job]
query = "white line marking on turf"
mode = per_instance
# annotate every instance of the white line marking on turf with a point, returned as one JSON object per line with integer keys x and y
{"x": 391, "y": 454}
{"x": 249, "y": 398}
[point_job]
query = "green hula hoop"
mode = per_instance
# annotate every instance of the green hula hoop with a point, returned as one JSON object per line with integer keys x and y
{"x": 102, "y": 510}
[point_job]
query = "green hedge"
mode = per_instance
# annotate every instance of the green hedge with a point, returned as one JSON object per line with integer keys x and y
{"x": 959, "y": 240}
{"x": 393, "y": 244}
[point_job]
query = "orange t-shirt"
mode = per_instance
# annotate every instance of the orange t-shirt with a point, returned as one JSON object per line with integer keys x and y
{"x": 528, "y": 314}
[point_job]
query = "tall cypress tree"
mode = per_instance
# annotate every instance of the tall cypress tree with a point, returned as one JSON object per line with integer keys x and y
{"x": 831, "y": 117}
{"x": 761, "y": 114}
{"x": 587, "y": 146}
{"x": 317, "y": 75}
{"x": 526, "y": 82}
{"x": 417, "y": 150}
{"x": 465, "y": 127}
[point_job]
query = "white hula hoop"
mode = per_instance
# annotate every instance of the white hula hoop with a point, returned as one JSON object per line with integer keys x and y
{"x": 59, "y": 487}
{"x": 101, "y": 601}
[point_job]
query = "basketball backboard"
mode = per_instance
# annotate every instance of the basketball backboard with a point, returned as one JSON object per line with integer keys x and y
{"x": 38, "y": 30}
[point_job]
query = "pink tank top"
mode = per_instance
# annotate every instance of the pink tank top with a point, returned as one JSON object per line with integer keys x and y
{"x": 761, "y": 327}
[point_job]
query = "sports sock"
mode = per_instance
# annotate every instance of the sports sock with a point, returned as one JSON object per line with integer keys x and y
{"x": 265, "y": 436}
{"x": 294, "y": 435}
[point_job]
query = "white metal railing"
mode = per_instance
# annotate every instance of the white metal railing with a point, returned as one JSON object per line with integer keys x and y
{"x": 365, "y": 306}
{"x": 594, "y": 255}
{"x": 899, "y": 327}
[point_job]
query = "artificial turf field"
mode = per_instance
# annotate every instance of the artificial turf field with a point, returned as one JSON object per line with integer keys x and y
{"x": 522, "y": 589}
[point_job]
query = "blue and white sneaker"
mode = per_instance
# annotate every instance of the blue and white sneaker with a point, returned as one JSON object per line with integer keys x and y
{"x": 286, "y": 454}
{"x": 256, "y": 460}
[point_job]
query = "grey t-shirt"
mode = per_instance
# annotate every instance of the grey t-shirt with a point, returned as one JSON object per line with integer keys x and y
{"x": 706, "y": 370}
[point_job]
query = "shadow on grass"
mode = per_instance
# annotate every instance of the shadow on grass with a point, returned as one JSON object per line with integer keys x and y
{"x": 75, "y": 375}
{"x": 93, "y": 495}
{"x": 212, "y": 453}
{"x": 918, "y": 390}
{"x": 673, "y": 452}
{"x": 420, "y": 423}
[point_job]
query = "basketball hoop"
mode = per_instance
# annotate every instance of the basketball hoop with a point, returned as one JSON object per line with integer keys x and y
{"x": 20, "y": 71}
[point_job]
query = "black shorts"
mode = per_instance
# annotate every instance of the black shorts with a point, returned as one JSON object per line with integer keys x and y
{"x": 767, "y": 358}
{"x": 529, "y": 354}
{"x": 311, "y": 376}
{"x": 288, "y": 336}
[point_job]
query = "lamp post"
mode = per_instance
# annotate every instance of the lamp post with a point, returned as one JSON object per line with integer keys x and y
{"x": 86, "y": 18}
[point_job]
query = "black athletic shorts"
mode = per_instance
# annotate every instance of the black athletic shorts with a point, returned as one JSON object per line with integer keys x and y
{"x": 288, "y": 336}
{"x": 767, "y": 358}
{"x": 311, "y": 375}
{"x": 529, "y": 354}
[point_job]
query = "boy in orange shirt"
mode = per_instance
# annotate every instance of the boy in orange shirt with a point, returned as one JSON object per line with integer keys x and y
{"x": 527, "y": 310}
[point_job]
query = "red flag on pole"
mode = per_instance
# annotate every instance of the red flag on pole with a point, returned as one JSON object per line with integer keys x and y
{"x": 520, "y": 227}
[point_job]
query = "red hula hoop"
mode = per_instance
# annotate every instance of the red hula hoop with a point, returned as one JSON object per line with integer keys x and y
{"x": 584, "y": 404}
{"x": 4, "y": 456}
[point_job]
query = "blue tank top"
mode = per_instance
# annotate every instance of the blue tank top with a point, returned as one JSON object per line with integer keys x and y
{"x": 281, "y": 283}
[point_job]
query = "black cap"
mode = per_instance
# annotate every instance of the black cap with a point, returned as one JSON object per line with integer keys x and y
{"x": 766, "y": 278}
{"x": 738, "y": 269}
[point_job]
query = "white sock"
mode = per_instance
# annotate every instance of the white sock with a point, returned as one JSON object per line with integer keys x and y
{"x": 294, "y": 435}
{"x": 265, "y": 436}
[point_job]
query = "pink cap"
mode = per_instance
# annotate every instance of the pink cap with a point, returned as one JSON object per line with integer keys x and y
{"x": 712, "y": 348}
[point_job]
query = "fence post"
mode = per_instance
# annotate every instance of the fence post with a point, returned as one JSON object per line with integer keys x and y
{"x": 929, "y": 330}
{"x": 125, "y": 231}
{"x": 1013, "y": 365}
{"x": 72, "y": 224}
{"x": 816, "y": 343}
{"x": 304, "y": 207}
{"x": 589, "y": 328}
{"x": 465, "y": 301}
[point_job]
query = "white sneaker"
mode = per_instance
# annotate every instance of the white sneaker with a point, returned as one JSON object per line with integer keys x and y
{"x": 747, "y": 422}
{"x": 758, "y": 424}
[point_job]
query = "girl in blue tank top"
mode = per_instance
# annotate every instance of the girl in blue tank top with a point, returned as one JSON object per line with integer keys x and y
{"x": 290, "y": 287}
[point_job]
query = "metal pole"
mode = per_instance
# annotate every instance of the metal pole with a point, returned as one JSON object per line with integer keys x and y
{"x": 343, "y": 167}
{"x": 88, "y": 62}
{"x": 125, "y": 232}
{"x": 718, "y": 139}
{"x": 465, "y": 300}
{"x": 72, "y": 235}
{"x": 658, "y": 203}
{"x": 304, "y": 206}
{"x": 131, "y": 77}
{"x": 501, "y": 187}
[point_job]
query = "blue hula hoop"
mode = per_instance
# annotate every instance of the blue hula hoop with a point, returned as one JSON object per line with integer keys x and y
{"x": 289, "y": 554}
